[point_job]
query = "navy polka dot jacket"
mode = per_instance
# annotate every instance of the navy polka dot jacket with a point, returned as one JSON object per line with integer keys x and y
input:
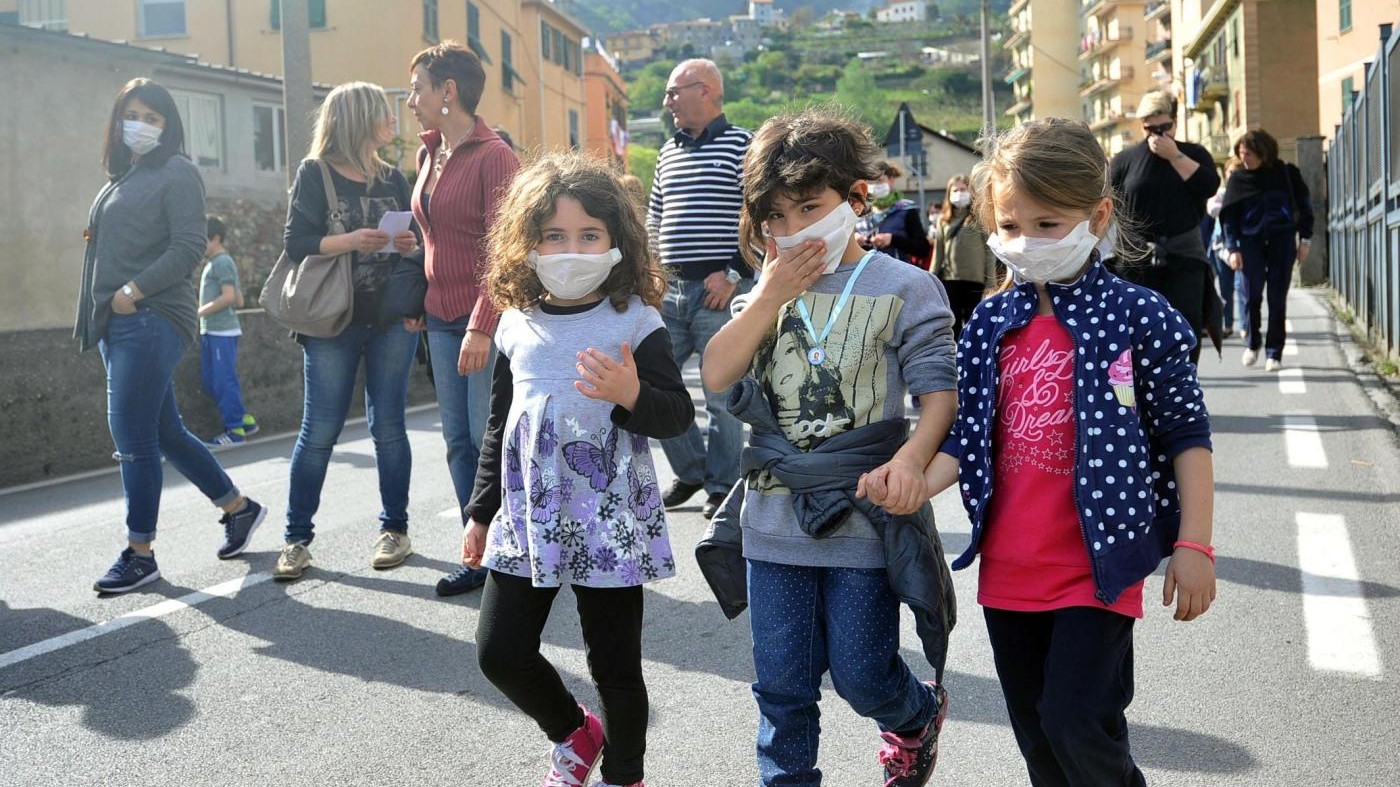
{"x": 1139, "y": 405}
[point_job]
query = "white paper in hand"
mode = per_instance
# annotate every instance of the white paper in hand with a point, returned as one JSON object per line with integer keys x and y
{"x": 394, "y": 222}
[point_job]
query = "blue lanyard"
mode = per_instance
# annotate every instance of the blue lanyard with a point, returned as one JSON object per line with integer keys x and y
{"x": 818, "y": 351}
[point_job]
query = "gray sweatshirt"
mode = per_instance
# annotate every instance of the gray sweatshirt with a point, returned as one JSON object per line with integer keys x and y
{"x": 148, "y": 227}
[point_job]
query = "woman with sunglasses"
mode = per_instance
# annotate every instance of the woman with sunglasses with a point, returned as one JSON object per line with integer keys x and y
{"x": 1165, "y": 185}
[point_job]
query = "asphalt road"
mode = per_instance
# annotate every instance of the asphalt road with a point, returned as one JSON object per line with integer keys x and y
{"x": 358, "y": 677}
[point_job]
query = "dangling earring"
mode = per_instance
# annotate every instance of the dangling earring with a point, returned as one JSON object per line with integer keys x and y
{"x": 444, "y": 109}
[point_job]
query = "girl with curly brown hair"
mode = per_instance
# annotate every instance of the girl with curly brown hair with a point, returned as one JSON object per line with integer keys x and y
{"x": 566, "y": 493}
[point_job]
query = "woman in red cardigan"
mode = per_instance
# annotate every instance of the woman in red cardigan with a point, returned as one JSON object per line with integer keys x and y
{"x": 463, "y": 169}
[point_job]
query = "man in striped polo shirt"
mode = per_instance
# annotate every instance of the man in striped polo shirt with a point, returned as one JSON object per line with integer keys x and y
{"x": 693, "y": 223}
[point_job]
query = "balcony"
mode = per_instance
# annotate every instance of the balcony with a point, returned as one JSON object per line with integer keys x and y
{"x": 1017, "y": 6}
{"x": 1215, "y": 84}
{"x": 1020, "y": 108}
{"x": 1157, "y": 9}
{"x": 1098, "y": 84}
{"x": 1092, "y": 7}
{"x": 1016, "y": 38}
{"x": 1016, "y": 74}
{"x": 1094, "y": 44}
{"x": 1219, "y": 146}
{"x": 1110, "y": 120}
{"x": 1159, "y": 50}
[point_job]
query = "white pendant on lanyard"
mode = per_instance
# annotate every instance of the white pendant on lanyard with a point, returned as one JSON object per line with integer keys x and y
{"x": 817, "y": 355}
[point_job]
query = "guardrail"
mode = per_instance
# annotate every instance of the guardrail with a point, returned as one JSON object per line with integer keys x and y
{"x": 1363, "y": 206}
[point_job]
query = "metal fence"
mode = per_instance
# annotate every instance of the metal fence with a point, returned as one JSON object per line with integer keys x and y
{"x": 1363, "y": 206}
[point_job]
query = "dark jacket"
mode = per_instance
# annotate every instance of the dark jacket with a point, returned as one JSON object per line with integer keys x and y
{"x": 1129, "y": 511}
{"x": 147, "y": 226}
{"x": 823, "y": 485}
{"x": 908, "y": 239}
{"x": 1265, "y": 201}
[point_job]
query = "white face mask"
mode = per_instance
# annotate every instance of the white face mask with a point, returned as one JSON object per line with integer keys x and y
{"x": 141, "y": 137}
{"x": 961, "y": 199}
{"x": 1042, "y": 260}
{"x": 879, "y": 189}
{"x": 571, "y": 276}
{"x": 835, "y": 228}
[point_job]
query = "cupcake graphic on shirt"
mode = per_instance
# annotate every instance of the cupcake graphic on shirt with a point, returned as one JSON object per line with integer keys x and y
{"x": 1120, "y": 376}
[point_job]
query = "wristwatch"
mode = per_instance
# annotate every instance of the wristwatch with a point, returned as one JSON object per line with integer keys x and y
{"x": 732, "y": 276}
{"x": 128, "y": 292}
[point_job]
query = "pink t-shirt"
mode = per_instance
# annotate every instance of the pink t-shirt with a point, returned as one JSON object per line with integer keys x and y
{"x": 1033, "y": 556}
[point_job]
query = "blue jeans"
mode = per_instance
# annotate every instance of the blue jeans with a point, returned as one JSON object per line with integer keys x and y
{"x": 463, "y": 403}
{"x": 1231, "y": 284}
{"x": 218, "y": 370}
{"x": 330, "y": 368}
{"x": 140, "y": 352}
{"x": 691, "y": 326}
{"x": 805, "y": 621}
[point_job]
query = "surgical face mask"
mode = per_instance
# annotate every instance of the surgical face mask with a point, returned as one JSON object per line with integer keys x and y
{"x": 141, "y": 137}
{"x": 571, "y": 276}
{"x": 879, "y": 190}
{"x": 835, "y": 228}
{"x": 961, "y": 199}
{"x": 1042, "y": 260}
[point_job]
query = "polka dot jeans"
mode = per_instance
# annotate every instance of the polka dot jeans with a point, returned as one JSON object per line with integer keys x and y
{"x": 805, "y": 621}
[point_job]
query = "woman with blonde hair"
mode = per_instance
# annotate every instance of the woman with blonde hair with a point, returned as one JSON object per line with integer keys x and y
{"x": 355, "y": 121}
{"x": 961, "y": 258}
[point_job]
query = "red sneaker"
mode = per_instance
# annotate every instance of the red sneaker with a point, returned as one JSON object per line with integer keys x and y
{"x": 572, "y": 762}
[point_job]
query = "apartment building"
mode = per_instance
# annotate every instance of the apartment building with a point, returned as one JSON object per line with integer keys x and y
{"x": 1246, "y": 64}
{"x": 606, "y": 134}
{"x": 1348, "y": 32}
{"x": 1044, "y": 75}
{"x": 532, "y": 49}
{"x": 1113, "y": 59}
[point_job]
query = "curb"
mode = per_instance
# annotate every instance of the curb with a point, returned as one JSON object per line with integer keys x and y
{"x": 1383, "y": 393}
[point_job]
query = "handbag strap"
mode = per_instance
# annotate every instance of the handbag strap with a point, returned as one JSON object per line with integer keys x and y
{"x": 335, "y": 220}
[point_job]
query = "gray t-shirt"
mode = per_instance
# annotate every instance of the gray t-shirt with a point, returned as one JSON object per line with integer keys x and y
{"x": 893, "y": 337}
{"x": 220, "y": 271}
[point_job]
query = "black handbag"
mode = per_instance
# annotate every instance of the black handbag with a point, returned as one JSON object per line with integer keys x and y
{"x": 403, "y": 292}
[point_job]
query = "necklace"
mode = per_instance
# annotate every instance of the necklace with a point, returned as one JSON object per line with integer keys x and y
{"x": 444, "y": 151}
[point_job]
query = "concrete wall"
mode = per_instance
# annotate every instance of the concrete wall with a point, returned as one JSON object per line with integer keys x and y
{"x": 1053, "y": 57}
{"x": 54, "y": 399}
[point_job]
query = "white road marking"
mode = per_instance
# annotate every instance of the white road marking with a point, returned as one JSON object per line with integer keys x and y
{"x": 1304, "y": 443}
{"x": 1290, "y": 381}
{"x": 1340, "y": 638}
{"x": 1291, "y": 347}
{"x": 221, "y": 590}
{"x": 450, "y": 513}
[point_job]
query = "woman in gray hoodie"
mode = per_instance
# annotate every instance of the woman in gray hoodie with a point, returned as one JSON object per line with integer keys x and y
{"x": 145, "y": 237}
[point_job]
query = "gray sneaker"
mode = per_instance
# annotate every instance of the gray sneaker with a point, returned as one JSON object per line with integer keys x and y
{"x": 291, "y": 562}
{"x": 391, "y": 549}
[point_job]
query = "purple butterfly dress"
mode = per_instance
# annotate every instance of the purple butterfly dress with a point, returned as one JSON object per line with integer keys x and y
{"x": 581, "y": 504}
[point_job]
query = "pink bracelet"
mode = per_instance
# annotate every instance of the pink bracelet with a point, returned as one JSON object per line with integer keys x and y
{"x": 1208, "y": 551}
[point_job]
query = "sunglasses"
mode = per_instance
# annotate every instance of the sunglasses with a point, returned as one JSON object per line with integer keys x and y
{"x": 674, "y": 92}
{"x": 1159, "y": 129}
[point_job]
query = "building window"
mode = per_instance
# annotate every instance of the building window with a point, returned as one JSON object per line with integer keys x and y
{"x": 558, "y": 36}
{"x": 474, "y": 32}
{"x": 573, "y": 129}
{"x": 44, "y": 14}
{"x": 203, "y": 115}
{"x": 1348, "y": 87}
{"x": 430, "y": 21}
{"x": 161, "y": 18}
{"x": 269, "y": 134}
{"x": 567, "y": 58}
{"x": 1343, "y": 15}
{"x": 507, "y": 64}
{"x": 578, "y": 59}
{"x": 315, "y": 14}
{"x": 545, "y": 40}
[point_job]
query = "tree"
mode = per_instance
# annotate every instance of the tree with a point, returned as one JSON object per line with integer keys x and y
{"x": 857, "y": 92}
{"x": 641, "y": 161}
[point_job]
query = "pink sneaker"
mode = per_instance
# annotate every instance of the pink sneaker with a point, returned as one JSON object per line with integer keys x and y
{"x": 909, "y": 761}
{"x": 572, "y": 762}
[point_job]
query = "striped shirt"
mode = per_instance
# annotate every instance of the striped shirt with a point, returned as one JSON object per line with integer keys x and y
{"x": 696, "y": 196}
{"x": 460, "y": 211}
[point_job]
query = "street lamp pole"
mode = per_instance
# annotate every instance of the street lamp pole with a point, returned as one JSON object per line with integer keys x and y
{"x": 989, "y": 123}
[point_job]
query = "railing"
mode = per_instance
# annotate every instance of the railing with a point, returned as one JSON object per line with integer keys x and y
{"x": 1097, "y": 43}
{"x": 1101, "y": 83}
{"x": 1155, "y": 9}
{"x": 1156, "y": 48}
{"x": 1363, "y": 205}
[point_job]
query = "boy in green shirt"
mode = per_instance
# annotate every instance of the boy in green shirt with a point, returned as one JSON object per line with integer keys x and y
{"x": 220, "y": 294}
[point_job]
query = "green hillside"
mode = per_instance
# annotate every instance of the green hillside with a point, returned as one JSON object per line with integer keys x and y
{"x": 611, "y": 16}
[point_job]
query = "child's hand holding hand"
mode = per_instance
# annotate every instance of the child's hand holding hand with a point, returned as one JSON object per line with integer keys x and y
{"x": 897, "y": 486}
{"x": 1191, "y": 579}
{"x": 790, "y": 272}
{"x": 608, "y": 379}
{"x": 473, "y": 543}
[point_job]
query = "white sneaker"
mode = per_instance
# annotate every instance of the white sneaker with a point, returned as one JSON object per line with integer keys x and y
{"x": 1272, "y": 364}
{"x": 1250, "y": 357}
{"x": 291, "y": 562}
{"x": 391, "y": 549}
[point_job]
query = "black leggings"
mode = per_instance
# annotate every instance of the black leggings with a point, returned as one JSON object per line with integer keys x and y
{"x": 513, "y": 615}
